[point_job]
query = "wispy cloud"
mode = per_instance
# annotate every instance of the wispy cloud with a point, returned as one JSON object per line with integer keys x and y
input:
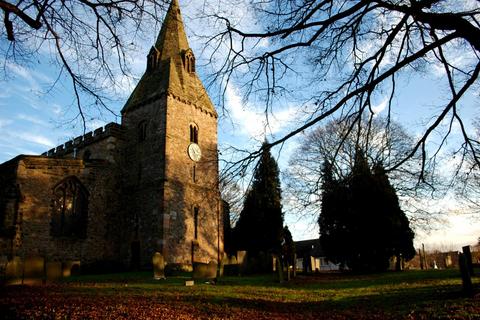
{"x": 36, "y": 139}
{"x": 4, "y": 123}
{"x": 254, "y": 123}
{"x": 31, "y": 119}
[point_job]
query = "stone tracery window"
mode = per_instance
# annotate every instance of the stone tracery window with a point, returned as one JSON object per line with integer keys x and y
{"x": 70, "y": 209}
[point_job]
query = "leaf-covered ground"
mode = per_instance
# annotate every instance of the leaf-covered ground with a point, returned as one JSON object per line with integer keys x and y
{"x": 408, "y": 295}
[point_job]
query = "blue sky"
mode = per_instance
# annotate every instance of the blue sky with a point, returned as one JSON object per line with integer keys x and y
{"x": 35, "y": 118}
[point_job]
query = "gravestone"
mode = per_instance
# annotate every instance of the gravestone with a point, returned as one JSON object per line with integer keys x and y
{"x": 468, "y": 258}
{"x": 280, "y": 270}
{"x": 54, "y": 271}
{"x": 33, "y": 270}
{"x": 70, "y": 268}
{"x": 205, "y": 271}
{"x": 158, "y": 266}
{"x": 241, "y": 255}
{"x": 14, "y": 271}
{"x": 466, "y": 278}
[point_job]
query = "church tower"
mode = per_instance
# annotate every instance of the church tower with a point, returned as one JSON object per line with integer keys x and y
{"x": 170, "y": 189}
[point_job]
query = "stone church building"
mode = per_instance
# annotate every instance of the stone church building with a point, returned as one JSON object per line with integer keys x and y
{"x": 123, "y": 192}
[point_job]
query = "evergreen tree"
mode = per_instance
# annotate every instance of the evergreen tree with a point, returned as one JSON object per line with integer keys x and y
{"x": 288, "y": 247}
{"x": 361, "y": 224}
{"x": 260, "y": 225}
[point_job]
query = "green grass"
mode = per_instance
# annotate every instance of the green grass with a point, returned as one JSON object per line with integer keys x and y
{"x": 433, "y": 294}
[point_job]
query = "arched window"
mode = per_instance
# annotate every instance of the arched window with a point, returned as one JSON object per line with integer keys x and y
{"x": 195, "y": 221}
{"x": 70, "y": 209}
{"x": 189, "y": 61}
{"x": 142, "y": 131}
{"x": 152, "y": 59}
{"x": 193, "y": 133}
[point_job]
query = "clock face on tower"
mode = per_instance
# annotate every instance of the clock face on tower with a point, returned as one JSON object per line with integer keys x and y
{"x": 194, "y": 152}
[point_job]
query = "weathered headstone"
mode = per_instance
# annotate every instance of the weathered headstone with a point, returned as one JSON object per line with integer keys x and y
{"x": 468, "y": 258}
{"x": 241, "y": 255}
{"x": 53, "y": 271}
{"x": 158, "y": 266}
{"x": 280, "y": 270}
{"x": 204, "y": 270}
{"x": 70, "y": 268}
{"x": 33, "y": 270}
{"x": 466, "y": 278}
{"x": 14, "y": 271}
{"x": 448, "y": 261}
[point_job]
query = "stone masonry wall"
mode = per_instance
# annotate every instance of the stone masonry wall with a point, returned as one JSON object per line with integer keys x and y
{"x": 143, "y": 176}
{"x": 37, "y": 177}
{"x": 183, "y": 193}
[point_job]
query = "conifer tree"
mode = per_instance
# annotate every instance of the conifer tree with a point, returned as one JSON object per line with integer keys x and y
{"x": 361, "y": 224}
{"x": 260, "y": 225}
{"x": 288, "y": 247}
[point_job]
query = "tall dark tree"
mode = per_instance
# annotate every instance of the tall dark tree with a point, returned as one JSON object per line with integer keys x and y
{"x": 260, "y": 226}
{"x": 361, "y": 224}
{"x": 288, "y": 247}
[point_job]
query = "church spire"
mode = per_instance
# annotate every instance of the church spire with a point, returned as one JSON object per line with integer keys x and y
{"x": 172, "y": 39}
{"x": 170, "y": 68}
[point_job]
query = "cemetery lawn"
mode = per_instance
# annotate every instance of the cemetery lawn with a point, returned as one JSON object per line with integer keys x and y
{"x": 434, "y": 294}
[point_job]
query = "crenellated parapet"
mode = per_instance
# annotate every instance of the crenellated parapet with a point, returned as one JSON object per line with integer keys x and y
{"x": 110, "y": 130}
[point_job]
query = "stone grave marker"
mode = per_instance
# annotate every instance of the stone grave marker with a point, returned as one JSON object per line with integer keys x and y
{"x": 205, "y": 271}
{"x": 14, "y": 271}
{"x": 54, "y": 271}
{"x": 467, "y": 253}
{"x": 158, "y": 266}
{"x": 70, "y": 268}
{"x": 466, "y": 278}
{"x": 34, "y": 270}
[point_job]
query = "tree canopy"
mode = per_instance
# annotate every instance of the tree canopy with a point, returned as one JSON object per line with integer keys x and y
{"x": 361, "y": 223}
{"x": 260, "y": 225}
{"x": 91, "y": 41}
{"x": 381, "y": 147}
{"x": 337, "y": 58}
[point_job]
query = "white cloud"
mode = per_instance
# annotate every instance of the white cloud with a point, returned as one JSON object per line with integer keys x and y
{"x": 31, "y": 119}
{"x": 95, "y": 124}
{"x": 4, "y": 123}
{"x": 36, "y": 139}
{"x": 254, "y": 123}
{"x": 380, "y": 107}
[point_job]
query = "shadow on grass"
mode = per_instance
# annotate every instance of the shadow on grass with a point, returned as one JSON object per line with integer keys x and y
{"x": 426, "y": 295}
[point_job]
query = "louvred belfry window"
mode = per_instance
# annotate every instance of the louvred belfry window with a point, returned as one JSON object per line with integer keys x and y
{"x": 193, "y": 133}
{"x": 70, "y": 209}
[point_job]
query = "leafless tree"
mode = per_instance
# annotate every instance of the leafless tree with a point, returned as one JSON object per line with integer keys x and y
{"x": 233, "y": 195}
{"x": 332, "y": 144}
{"x": 88, "y": 39}
{"x": 336, "y": 57}
{"x": 467, "y": 180}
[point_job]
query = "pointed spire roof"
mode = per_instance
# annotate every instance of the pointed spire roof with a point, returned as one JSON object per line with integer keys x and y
{"x": 172, "y": 38}
{"x": 168, "y": 74}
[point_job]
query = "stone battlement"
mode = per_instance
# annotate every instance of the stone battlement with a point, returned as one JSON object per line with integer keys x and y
{"x": 110, "y": 130}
